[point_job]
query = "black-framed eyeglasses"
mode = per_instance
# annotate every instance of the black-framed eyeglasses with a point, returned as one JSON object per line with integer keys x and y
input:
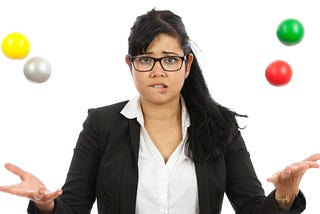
{"x": 168, "y": 63}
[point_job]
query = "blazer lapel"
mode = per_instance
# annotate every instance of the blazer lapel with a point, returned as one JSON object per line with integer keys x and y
{"x": 203, "y": 188}
{"x": 129, "y": 177}
{"x": 134, "y": 129}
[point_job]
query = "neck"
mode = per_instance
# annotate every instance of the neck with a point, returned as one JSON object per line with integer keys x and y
{"x": 168, "y": 112}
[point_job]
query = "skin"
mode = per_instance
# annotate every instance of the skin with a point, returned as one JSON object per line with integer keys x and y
{"x": 161, "y": 105}
{"x": 32, "y": 188}
{"x": 287, "y": 181}
{"x": 161, "y": 109}
{"x": 162, "y": 45}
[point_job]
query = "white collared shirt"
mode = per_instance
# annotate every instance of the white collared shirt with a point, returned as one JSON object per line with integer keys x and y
{"x": 163, "y": 187}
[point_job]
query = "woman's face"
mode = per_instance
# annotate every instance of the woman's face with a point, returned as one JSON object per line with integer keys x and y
{"x": 158, "y": 86}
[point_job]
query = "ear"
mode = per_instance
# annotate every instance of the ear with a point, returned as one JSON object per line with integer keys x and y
{"x": 188, "y": 67}
{"x": 128, "y": 62}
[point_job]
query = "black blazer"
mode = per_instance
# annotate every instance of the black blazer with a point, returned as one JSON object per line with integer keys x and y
{"x": 104, "y": 168}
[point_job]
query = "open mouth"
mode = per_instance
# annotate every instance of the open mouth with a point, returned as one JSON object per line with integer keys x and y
{"x": 159, "y": 86}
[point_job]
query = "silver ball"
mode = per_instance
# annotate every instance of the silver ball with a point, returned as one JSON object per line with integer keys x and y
{"x": 37, "y": 70}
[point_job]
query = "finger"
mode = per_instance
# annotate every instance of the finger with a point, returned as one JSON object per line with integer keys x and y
{"x": 34, "y": 195}
{"x": 22, "y": 193}
{"x": 38, "y": 195}
{"x": 271, "y": 179}
{"x": 275, "y": 177}
{"x": 15, "y": 169}
{"x": 312, "y": 164}
{"x": 303, "y": 166}
{"x": 46, "y": 195}
{"x": 314, "y": 157}
{"x": 5, "y": 189}
{"x": 295, "y": 171}
{"x": 53, "y": 195}
{"x": 296, "y": 168}
{"x": 281, "y": 175}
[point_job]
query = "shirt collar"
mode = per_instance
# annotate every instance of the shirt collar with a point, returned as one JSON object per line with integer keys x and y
{"x": 133, "y": 110}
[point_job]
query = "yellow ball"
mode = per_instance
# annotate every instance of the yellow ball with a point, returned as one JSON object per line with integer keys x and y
{"x": 15, "y": 46}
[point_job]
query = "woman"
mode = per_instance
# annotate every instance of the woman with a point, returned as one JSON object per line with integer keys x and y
{"x": 172, "y": 149}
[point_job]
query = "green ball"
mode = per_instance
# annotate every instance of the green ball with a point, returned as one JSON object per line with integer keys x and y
{"x": 290, "y": 32}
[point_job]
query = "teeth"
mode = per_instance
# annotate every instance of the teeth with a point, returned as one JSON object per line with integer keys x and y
{"x": 158, "y": 86}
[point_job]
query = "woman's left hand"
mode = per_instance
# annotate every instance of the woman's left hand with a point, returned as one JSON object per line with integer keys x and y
{"x": 287, "y": 180}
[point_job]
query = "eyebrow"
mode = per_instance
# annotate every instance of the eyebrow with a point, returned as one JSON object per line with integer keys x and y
{"x": 164, "y": 52}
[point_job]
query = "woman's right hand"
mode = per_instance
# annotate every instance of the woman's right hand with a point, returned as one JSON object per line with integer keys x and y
{"x": 32, "y": 188}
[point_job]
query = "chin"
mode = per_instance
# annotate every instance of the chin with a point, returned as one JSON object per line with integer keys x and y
{"x": 160, "y": 100}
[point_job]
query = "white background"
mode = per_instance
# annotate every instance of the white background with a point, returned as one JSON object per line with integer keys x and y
{"x": 86, "y": 42}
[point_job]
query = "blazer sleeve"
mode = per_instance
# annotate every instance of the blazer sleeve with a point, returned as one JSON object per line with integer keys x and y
{"x": 79, "y": 189}
{"x": 243, "y": 188}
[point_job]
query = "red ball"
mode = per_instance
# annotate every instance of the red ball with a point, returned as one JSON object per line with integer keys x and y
{"x": 278, "y": 73}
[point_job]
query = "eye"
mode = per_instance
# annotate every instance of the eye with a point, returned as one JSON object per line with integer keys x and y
{"x": 144, "y": 60}
{"x": 170, "y": 59}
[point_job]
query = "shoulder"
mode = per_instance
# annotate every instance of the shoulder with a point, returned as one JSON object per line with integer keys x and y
{"x": 107, "y": 113}
{"x": 112, "y": 108}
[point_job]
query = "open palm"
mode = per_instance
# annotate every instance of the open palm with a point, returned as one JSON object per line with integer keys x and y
{"x": 288, "y": 179}
{"x": 30, "y": 187}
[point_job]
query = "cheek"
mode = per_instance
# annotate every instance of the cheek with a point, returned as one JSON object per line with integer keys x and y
{"x": 138, "y": 79}
{"x": 179, "y": 80}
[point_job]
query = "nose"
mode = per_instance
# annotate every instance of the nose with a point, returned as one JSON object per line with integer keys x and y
{"x": 157, "y": 70}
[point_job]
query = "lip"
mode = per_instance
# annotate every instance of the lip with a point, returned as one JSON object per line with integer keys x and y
{"x": 158, "y": 85}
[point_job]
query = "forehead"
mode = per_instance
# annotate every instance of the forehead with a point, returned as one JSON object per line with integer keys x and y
{"x": 164, "y": 42}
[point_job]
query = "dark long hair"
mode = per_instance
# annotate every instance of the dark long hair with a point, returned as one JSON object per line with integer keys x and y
{"x": 211, "y": 123}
